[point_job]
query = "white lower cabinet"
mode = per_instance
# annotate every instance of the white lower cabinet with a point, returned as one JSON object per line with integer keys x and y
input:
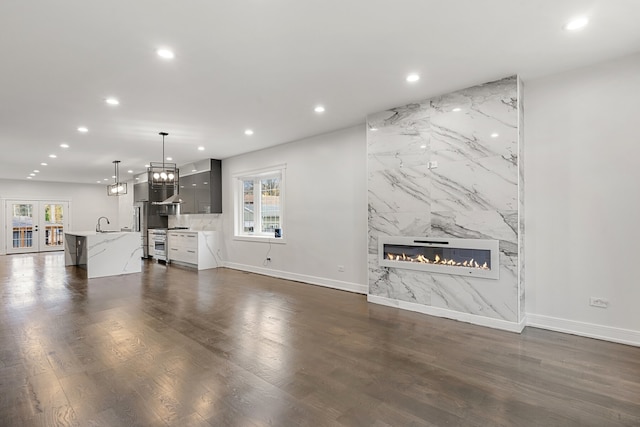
{"x": 196, "y": 248}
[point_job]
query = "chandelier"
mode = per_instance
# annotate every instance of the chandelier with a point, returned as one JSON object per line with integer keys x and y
{"x": 162, "y": 174}
{"x": 117, "y": 188}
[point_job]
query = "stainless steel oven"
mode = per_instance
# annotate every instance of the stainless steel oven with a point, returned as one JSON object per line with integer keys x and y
{"x": 158, "y": 244}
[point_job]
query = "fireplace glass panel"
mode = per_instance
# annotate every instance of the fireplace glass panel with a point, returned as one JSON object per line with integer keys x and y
{"x": 455, "y": 257}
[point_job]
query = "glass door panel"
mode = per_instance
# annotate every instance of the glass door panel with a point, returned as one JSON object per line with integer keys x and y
{"x": 53, "y": 220}
{"x": 22, "y": 227}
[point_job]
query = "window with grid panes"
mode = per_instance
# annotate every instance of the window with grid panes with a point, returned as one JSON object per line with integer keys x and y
{"x": 259, "y": 207}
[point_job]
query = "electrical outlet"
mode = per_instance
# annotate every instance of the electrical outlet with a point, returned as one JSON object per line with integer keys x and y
{"x": 341, "y": 268}
{"x": 598, "y": 302}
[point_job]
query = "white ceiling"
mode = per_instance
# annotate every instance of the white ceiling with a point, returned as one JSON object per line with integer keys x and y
{"x": 259, "y": 64}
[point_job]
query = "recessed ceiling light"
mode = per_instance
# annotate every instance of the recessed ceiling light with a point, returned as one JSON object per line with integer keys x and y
{"x": 455, "y": 110}
{"x": 200, "y": 148}
{"x": 64, "y": 145}
{"x": 32, "y": 174}
{"x": 576, "y": 24}
{"x": 98, "y": 182}
{"x": 413, "y": 78}
{"x": 53, "y": 156}
{"x": 169, "y": 158}
{"x": 29, "y": 177}
{"x": 112, "y": 101}
{"x": 137, "y": 179}
{"x": 36, "y": 171}
{"x": 165, "y": 53}
{"x": 43, "y": 164}
{"x": 423, "y": 146}
{"x": 495, "y": 135}
{"x": 129, "y": 171}
{"x": 373, "y": 129}
{"x": 194, "y": 170}
{"x": 319, "y": 109}
{"x": 83, "y": 129}
{"x": 113, "y": 176}
{"x": 146, "y": 166}
{"x": 248, "y": 132}
{"x": 193, "y": 185}
{"x": 205, "y": 183}
{"x": 106, "y": 179}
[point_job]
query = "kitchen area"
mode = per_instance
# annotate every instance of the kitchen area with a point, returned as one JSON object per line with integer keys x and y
{"x": 174, "y": 219}
{"x": 177, "y": 220}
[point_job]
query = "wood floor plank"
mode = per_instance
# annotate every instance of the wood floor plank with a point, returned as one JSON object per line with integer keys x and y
{"x": 173, "y": 346}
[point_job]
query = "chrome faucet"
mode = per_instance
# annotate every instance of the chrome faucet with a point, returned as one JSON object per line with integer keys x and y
{"x": 98, "y": 229}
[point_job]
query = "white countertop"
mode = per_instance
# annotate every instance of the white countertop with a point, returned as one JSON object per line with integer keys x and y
{"x": 94, "y": 233}
{"x": 181, "y": 230}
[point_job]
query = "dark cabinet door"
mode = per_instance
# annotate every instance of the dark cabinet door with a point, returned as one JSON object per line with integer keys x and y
{"x": 202, "y": 192}
{"x": 215, "y": 186}
{"x": 187, "y": 194}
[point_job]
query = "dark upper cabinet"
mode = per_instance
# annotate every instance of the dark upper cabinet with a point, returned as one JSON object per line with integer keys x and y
{"x": 187, "y": 195}
{"x": 202, "y": 192}
{"x": 141, "y": 192}
{"x": 215, "y": 186}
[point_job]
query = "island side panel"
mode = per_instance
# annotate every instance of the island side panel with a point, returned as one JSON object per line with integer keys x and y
{"x": 111, "y": 254}
{"x": 70, "y": 254}
{"x": 209, "y": 246}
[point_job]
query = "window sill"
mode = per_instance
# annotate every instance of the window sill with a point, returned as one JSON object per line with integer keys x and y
{"x": 261, "y": 239}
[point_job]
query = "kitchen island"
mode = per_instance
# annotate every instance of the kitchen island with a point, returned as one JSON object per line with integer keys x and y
{"x": 104, "y": 254}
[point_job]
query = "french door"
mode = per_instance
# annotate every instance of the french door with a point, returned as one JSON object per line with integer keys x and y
{"x": 35, "y": 225}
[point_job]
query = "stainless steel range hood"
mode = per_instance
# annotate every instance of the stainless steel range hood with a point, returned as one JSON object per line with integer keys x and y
{"x": 172, "y": 200}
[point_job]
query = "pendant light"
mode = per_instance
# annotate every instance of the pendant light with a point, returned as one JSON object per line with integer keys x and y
{"x": 117, "y": 188}
{"x": 162, "y": 174}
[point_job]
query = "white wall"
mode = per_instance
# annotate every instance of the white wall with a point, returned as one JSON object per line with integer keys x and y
{"x": 88, "y": 202}
{"x": 325, "y": 212}
{"x": 582, "y": 192}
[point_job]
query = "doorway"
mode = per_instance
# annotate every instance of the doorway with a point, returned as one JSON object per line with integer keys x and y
{"x": 35, "y": 225}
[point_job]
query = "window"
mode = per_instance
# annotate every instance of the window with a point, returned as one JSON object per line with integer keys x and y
{"x": 260, "y": 203}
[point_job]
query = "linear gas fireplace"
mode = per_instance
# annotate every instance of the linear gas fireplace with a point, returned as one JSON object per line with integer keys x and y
{"x": 466, "y": 257}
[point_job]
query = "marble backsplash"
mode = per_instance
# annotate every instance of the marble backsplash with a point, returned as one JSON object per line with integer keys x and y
{"x": 449, "y": 167}
{"x": 197, "y": 222}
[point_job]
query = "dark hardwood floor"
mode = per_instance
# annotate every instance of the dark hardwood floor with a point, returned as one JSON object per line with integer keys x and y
{"x": 173, "y": 346}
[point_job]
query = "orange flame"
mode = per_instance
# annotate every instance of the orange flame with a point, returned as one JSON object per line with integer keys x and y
{"x": 437, "y": 260}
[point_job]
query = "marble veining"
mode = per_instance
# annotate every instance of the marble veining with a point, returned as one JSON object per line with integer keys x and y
{"x": 397, "y": 224}
{"x": 477, "y": 225}
{"x": 104, "y": 254}
{"x": 450, "y": 166}
{"x": 210, "y": 244}
{"x": 197, "y": 222}
{"x": 474, "y": 297}
{"x": 521, "y": 208}
{"x": 403, "y": 189}
{"x": 489, "y": 183}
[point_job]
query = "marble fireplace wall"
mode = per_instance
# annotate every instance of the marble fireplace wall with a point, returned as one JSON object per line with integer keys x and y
{"x": 450, "y": 166}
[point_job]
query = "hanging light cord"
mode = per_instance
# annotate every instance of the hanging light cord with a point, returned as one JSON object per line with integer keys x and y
{"x": 163, "y": 135}
{"x": 117, "y": 177}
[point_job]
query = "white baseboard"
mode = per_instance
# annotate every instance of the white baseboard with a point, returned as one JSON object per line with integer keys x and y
{"x": 590, "y": 330}
{"x": 449, "y": 314}
{"x": 313, "y": 280}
